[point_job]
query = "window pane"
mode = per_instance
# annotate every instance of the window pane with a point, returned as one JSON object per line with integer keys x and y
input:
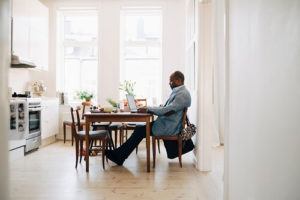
{"x": 72, "y": 72}
{"x": 79, "y": 33}
{"x": 154, "y": 51}
{"x": 141, "y": 57}
{"x": 81, "y": 52}
{"x": 144, "y": 73}
{"x": 88, "y": 75}
{"x": 143, "y": 28}
{"x": 142, "y": 51}
{"x": 135, "y": 52}
{"x": 80, "y": 27}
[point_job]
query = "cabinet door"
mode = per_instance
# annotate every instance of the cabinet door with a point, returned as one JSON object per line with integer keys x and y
{"x": 53, "y": 117}
{"x": 50, "y": 118}
{"x": 45, "y": 120}
{"x": 20, "y": 29}
{"x": 38, "y": 34}
{"x": 30, "y": 32}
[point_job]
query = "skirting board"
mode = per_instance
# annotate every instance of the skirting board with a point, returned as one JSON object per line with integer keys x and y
{"x": 48, "y": 140}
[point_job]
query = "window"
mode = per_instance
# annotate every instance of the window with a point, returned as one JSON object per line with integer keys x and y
{"x": 77, "y": 52}
{"x": 141, "y": 49}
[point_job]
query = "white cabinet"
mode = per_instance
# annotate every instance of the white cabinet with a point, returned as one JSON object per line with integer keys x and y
{"x": 50, "y": 117}
{"x": 20, "y": 29}
{"x": 30, "y": 32}
{"x": 38, "y": 33}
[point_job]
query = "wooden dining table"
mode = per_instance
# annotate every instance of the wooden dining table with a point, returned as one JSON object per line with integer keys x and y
{"x": 118, "y": 117}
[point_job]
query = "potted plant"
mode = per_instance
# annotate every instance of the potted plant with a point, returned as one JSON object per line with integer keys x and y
{"x": 85, "y": 95}
{"x": 128, "y": 87}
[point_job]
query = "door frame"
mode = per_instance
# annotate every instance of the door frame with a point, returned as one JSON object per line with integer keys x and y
{"x": 5, "y": 38}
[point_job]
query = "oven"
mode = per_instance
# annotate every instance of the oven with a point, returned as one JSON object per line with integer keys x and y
{"x": 34, "y": 116}
{"x": 33, "y": 136}
{"x": 18, "y": 123}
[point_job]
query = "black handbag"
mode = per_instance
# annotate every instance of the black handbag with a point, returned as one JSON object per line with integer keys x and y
{"x": 172, "y": 147}
{"x": 189, "y": 131}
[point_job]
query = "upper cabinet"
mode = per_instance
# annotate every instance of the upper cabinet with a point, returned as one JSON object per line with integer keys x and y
{"x": 30, "y": 29}
{"x": 20, "y": 29}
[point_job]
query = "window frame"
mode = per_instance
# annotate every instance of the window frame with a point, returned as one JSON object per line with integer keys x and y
{"x": 136, "y": 11}
{"x": 61, "y": 44}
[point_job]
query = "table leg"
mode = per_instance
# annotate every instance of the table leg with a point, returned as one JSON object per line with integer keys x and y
{"x": 87, "y": 144}
{"x": 148, "y": 143}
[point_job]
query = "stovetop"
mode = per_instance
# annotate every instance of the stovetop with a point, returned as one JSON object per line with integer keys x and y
{"x": 24, "y": 97}
{"x": 16, "y": 95}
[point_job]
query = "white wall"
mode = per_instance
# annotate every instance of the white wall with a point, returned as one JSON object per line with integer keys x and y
{"x": 205, "y": 88}
{"x": 4, "y": 105}
{"x": 263, "y": 134}
{"x": 173, "y": 41}
{"x": 19, "y": 79}
{"x": 109, "y": 41}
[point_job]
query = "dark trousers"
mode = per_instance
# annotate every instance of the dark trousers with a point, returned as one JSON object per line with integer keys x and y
{"x": 133, "y": 141}
{"x": 139, "y": 134}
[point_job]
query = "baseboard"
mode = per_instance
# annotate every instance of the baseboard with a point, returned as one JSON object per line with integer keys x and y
{"x": 48, "y": 140}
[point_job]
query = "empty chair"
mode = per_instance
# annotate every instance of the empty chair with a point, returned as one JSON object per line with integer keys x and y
{"x": 79, "y": 136}
{"x": 115, "y": 127}
{"x": 69, "y": 123}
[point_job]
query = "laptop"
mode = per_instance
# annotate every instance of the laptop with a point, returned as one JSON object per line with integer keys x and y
{"x": 131, "y": 103}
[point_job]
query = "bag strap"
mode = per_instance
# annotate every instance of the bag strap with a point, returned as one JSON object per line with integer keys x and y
{"x": 184, "y": 114}
{"x": 187, "y": 121}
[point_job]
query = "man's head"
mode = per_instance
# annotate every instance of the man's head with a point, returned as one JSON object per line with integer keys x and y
{"x": 176, "y": 79}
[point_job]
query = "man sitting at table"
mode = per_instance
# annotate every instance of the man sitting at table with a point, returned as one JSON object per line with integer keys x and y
{"x": 168, "y": 122}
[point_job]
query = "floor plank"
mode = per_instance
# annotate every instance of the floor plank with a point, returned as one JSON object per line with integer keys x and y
{"x": 49, "y": 173}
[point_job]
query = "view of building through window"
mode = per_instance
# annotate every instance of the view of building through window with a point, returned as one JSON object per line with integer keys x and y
{"x": 78, "y": 52}
{"x": 141, "y": 51}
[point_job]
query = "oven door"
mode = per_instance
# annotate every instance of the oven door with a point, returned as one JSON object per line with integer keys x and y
{"x": 34, "y": 122}
{"x": 18, "y": 120}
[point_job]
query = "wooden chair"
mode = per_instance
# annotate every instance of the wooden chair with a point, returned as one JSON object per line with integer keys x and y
{"x": 79, "y": 136}
{"x": 69, "y": 123}
{"x": 115, "y": 127}
{"x": 173, "y": 138}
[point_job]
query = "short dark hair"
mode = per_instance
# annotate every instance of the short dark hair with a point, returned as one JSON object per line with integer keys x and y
{"x": 178, "y": 75}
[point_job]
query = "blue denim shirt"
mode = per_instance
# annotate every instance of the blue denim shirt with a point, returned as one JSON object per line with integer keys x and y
{"x": 179, "y": 99}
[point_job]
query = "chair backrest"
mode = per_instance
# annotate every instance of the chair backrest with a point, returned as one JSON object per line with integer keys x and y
{"x": 184, "y": 116}
{"x": 141, "y": 102}
{"x": 84, "y": 104}
{"x": 77, "y": 122}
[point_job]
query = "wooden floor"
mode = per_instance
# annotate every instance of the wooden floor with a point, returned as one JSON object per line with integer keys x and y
{"x": 49, "y": 173}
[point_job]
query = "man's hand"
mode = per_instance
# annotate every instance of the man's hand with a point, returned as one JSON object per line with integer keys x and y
{"x": 142, "y": 110}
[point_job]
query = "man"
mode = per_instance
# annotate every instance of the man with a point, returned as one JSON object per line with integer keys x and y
{"x": 168, "y": 122}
